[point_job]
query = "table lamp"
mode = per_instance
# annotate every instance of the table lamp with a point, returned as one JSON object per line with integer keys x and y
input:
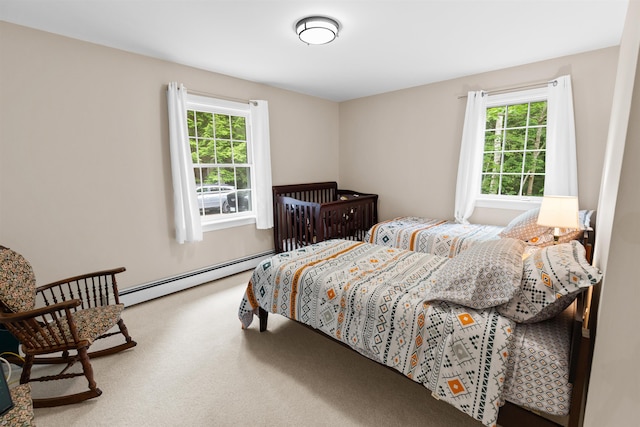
{"x": 559, "y": 212}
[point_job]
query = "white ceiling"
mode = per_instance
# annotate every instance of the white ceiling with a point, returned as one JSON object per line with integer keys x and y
{"x": 382, "y": 46}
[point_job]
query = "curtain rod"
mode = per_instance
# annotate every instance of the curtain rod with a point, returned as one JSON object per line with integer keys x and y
{"x": 516, "y": 88}
{"x": 227, "y": 98}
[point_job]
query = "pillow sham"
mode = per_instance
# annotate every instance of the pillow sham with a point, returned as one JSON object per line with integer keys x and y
{"x": 552, "y": 278}
{"x": 525, "y": 227}
{"x": 485, "y": 275}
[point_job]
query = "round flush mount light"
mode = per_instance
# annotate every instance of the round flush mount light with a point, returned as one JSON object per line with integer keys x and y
{"x": 317, "y": 30}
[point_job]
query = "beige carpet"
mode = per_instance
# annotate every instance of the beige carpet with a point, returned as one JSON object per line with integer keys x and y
{"x": 195, "y": 366}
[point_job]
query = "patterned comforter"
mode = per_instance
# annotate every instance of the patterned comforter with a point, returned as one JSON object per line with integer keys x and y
{"x": 432, "y": 236}
{"x": 373, "y": 298}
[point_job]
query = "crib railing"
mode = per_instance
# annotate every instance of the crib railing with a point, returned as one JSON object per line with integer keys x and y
{"x": 309, "y": 213}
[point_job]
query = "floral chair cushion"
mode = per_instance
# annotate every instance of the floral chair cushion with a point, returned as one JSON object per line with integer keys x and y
{"x": 21, "y": 415}
{"x": 17, "y": 281}
{"x": 90, "y": 324}
{"x": 95, "y": 321}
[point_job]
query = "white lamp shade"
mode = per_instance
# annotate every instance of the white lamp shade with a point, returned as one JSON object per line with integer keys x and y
{"x": 317, "y": 30}
{"x": 559, "y": 212}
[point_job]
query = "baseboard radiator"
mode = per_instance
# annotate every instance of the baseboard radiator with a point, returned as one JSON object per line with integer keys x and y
{"x": 159, "y": 288}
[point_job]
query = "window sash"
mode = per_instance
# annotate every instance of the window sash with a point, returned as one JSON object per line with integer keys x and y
{"x": 231, "y": 108}
{"x": 502, "y": 200}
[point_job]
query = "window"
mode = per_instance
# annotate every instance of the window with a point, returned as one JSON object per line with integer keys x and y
{"x": 220, "y": 163}
{"x": 514, "y": 147}
{"x": 221, "y": 153}
{"x": 517, "y": 147}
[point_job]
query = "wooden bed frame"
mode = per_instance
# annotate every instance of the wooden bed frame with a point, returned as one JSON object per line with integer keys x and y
{"x": 582, "y": 344}
{"x": 309, "y": 213}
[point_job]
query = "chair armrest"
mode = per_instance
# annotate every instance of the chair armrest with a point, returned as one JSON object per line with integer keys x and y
{"x": 39, "y": 312}
{"x": 45, "y": 329}
{"x": 92, "y": 289}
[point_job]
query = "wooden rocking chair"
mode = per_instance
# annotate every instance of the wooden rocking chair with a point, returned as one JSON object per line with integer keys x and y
{"x": 76, "y": 312}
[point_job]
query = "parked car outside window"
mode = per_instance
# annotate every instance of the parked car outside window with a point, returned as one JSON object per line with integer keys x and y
{"x": 239, "y": 200}
{"x": 212, "y": 199}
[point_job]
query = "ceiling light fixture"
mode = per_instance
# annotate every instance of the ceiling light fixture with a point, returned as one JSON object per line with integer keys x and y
{"x": 317, "y": 30}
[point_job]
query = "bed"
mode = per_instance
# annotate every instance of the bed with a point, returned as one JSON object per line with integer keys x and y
{"x": 448, "y": 238}
{"x": 310, "y": 213}
{"x": 428, "y": 235}
{"x": 464, "y": 327}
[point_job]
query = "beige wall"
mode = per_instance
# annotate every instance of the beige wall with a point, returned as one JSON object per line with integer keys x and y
{"x": 405, "y": 145}
{"x": 84, "y": 161}
{"x": 614, "y": 393}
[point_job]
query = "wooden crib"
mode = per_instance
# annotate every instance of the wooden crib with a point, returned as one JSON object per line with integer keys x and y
{"x": 308, "y": 213}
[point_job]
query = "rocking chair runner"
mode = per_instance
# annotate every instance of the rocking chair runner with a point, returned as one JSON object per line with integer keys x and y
{"x": 77, "y": 311}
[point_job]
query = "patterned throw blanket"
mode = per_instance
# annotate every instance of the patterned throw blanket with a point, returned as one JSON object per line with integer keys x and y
{"x": 373, "y": 298}
{"x": 431, "y": 236}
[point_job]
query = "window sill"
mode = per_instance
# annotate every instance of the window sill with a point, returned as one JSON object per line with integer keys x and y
{"x": 513, "y": 203}
{"x": 220, "y": 224}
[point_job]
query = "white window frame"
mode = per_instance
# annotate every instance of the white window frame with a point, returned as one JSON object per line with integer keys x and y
{"x": 221, "y": 106}
{"x": 508, "y": 201}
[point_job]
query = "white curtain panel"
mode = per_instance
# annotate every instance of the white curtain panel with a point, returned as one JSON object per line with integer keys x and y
{"x": 561, "y": 174}
{"x": 470, "y": 163}
{"x": 185, "y": 202}
{"x": 262, "y": 163}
